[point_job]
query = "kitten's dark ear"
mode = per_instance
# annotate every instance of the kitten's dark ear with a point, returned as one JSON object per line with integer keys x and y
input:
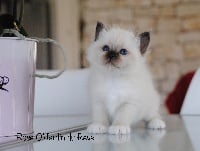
{"x": 99, "y": 28}
{"x": 144, "y": 41}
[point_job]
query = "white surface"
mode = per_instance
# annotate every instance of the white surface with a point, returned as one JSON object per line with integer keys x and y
{"x": 192, "y": 125}
{"x": 56, "y": 123}
{"x": 49, "y": 124}
{"x": 175, "y": 138}
{"x": 65, "y": 95}
{"x": 191, "y": 104}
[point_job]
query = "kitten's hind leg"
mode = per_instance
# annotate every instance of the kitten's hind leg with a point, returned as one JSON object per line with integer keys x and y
{"x": 100, "y": 120}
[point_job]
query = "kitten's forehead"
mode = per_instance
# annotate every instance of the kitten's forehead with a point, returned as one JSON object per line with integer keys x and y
{"x": 119, "y": 37}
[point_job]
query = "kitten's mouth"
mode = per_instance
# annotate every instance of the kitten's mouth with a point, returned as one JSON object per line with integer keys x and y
{"x": 110, "y": 62}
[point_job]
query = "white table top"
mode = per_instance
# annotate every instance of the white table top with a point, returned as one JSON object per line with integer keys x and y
{"x": 182, "y": 134}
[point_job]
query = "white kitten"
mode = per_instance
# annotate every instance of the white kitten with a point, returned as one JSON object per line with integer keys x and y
{"x": 121, "y": 89}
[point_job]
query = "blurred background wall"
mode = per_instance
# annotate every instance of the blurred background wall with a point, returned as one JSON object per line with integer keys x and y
{"x": 174, "y": 26}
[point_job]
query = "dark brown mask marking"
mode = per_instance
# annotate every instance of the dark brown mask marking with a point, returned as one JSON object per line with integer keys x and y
{"x": 111, "y": 56}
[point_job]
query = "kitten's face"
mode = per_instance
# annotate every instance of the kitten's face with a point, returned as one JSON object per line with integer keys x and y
{"x": 114, "y": 48}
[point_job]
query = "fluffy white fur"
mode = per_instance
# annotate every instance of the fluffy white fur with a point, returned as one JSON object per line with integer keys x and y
{"x": 123, "y": 94}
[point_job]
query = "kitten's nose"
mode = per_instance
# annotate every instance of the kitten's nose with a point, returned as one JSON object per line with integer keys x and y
{"x": 112, "y": 54}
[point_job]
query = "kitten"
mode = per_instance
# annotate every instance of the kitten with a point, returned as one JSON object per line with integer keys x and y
{"x": 121, "y": 88}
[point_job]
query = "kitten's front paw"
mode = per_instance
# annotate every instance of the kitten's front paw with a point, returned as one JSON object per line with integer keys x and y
{"x": 156, "y": 124}
{"x": 119, "y": 129}
{"x": 97, "y": 128}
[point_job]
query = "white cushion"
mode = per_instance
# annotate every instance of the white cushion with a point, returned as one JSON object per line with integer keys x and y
{"x": 65, "y": 95}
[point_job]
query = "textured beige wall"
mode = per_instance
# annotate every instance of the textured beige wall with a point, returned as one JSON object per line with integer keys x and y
{"x": 65, "y": 29}
{"x": 174, "y": 26}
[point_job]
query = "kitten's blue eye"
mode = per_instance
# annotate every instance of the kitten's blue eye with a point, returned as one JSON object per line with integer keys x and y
{"x": 106, "y": 48}
{"x": 123, "y": 52}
